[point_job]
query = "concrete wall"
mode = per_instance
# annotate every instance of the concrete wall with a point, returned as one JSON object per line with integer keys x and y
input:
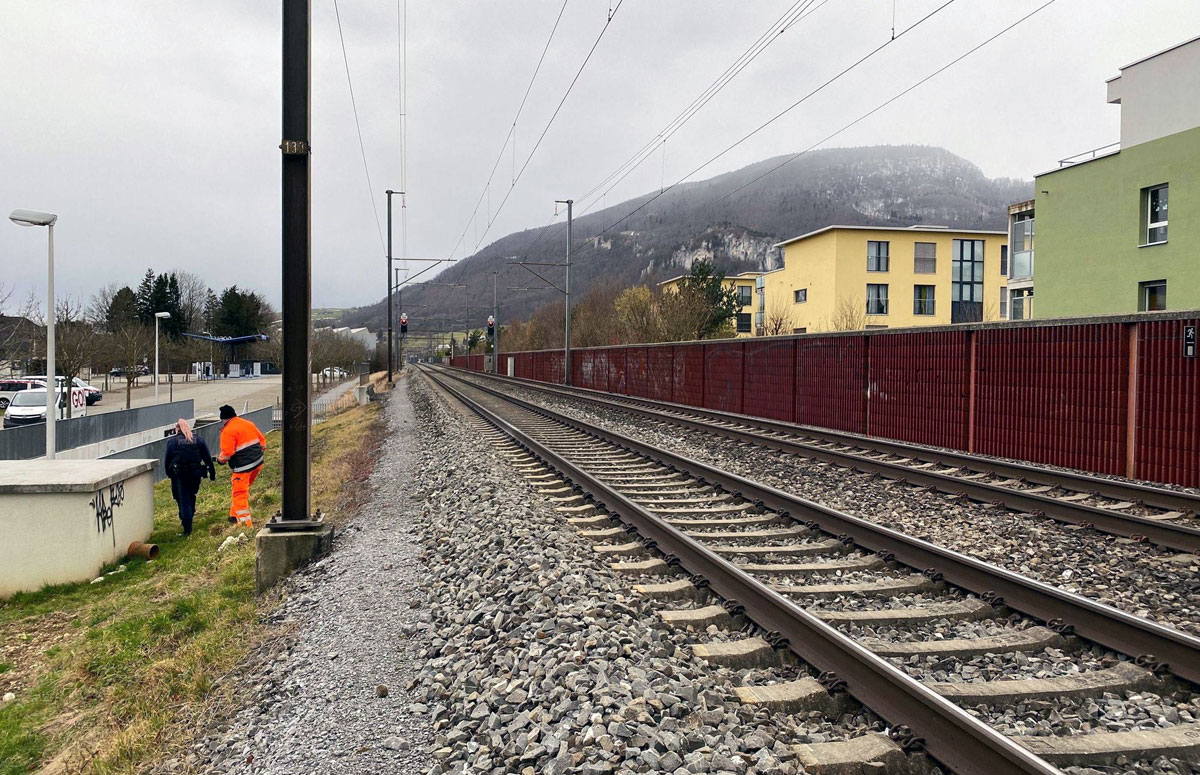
{"x": 1090, "y": 257}
{"x": 62, "y": 521}
{"x": 1158, "y": 96}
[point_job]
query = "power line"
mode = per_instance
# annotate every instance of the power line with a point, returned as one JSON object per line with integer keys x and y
{"x": 612, "y": 15}
{"x": 883, "y": 105}
{"x": 800, "y": 10}
{"x": 513, "y": 128}
{"x": 595, "y": 44}
{"x": 784, "y": 112}
{"x": 358, "y": 126}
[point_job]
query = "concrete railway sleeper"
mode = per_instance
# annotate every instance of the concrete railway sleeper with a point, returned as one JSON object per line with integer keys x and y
{"x": 758, "y": 569}
{"x": 1161, "y": 516}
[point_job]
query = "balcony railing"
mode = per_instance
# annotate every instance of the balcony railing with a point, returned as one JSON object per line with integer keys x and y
{"x": 1095, "y": 153}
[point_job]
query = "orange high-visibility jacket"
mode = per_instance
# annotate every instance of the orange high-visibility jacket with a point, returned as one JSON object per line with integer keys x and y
{"x": 242, "y": 445}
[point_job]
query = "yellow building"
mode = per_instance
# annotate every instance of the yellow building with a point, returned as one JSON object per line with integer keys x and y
{"x": 849, "y": 277}
{"x": 744, "y": 284}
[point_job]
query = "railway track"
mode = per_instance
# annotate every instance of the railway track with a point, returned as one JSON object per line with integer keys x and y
{"x": 849, "y": 598}
{"x": 1132, "y": 510}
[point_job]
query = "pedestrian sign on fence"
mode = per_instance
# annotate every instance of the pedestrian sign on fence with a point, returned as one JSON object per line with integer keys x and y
{"x": 1189, "y": 341}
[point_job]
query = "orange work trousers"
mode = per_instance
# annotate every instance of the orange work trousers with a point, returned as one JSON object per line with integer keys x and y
{"x": 239, "y": 508}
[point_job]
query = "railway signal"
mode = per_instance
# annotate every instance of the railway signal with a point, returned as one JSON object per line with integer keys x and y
{"x": 491, "y": 326}
{"x": 403, "y": 323}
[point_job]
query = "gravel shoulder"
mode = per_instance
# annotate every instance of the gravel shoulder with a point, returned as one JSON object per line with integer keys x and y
{"x": 313, "y": 703}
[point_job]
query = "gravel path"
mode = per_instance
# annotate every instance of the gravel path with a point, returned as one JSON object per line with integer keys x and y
{"x": 315, "y": 705}
{"x": 1139, "y": 578}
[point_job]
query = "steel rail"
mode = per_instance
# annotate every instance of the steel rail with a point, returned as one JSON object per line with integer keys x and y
{"x": 1151, "y": 644}
{"x": 1183, "y": 538}
{"x": 945, "y": 731}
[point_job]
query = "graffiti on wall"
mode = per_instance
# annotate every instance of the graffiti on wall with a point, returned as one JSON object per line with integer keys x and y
{"x": 106, "y": 502}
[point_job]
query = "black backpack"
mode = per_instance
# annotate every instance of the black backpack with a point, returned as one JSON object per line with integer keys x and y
{"x": 188, "y": 457}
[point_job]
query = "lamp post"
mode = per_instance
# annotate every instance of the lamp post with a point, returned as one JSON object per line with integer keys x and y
{"x": 35, "y": 218}
{"x": 157, "y": 317}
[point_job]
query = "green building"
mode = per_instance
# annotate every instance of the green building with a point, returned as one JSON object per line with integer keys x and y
{"x": 1104, "y": 242}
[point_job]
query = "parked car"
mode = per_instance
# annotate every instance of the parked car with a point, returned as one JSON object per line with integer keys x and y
{"x": 334, "y": 372}
{"x": 94, "y": 394}
{"x": 10, "y": 386}
{"x": 28, "y": 407}
{"x": 139, "y": 371}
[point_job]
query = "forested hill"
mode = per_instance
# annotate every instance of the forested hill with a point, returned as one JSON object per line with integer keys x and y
{"x": 879, "y": 185}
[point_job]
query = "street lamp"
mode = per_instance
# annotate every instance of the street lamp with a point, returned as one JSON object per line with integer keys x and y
{"x": 35, "y": 218}
{"x": 157, "y": 317}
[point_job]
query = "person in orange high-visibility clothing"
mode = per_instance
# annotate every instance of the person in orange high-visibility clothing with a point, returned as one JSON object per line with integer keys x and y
{"x": 242, "y": 447}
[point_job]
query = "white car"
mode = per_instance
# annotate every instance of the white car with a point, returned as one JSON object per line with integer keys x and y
{"x": 28, "y": 407}
{"x": 94, "y": 394}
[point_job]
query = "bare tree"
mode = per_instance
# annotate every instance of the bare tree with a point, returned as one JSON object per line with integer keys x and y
{"x": 850, "y": 314}
{"x": 76, "y": 342}
{"x": 128, "y": 346}
{"x": 193, "y": 294}
{"x": 100, "y": 302}
{"x": 778, "y": 318}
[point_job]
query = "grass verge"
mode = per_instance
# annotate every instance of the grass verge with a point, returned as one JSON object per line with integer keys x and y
{"x": 109, "y": 677}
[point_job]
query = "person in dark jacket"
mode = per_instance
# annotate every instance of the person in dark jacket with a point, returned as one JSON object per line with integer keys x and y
{"x": 186, "y": 462}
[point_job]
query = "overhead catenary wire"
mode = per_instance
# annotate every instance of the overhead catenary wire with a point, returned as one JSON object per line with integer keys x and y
{"x": 782, "y": 113}
{"x": 361, "y": 147}
{"x": 511, "y": 135}
{"x": 545, "y": 130}
{"x": 798, "y": 11}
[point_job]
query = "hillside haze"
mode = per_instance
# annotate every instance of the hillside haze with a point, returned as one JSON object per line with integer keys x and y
{"x": 880, "y": 185}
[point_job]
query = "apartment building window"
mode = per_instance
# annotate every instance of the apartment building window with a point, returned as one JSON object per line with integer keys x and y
{"x": 1021, "y": 235}
{"x": 966, "y": 276}
{"x": 925, "y": 258}
{"x": 1155, "y": 208}
{"x": 1020, "y": 304}
{"x": 877, "y": 299}
{"x": 1004, "y": 304}
{"x": 1004, "y": 260}
{"x": 1152, "y": 296}
{"x": 743, "y": 323}
{"x": 877, "y": 256}
{"x": 745, "y": 295}
{"x": 923, "y": 299}
{"x": 800, "y": 295}
{"x": 803, "y": 330}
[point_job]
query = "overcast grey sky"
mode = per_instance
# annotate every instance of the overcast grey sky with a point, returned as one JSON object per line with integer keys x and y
{"x": 152, "y": 128}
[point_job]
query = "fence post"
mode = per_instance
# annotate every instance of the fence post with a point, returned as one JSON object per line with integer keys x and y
{"x": 971, "y": 388}
{"x": 867, "y": 379}
{"x": 1131, "y": 403}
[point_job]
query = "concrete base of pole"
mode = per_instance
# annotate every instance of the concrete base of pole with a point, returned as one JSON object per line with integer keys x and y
{"x": 278, "y": 553}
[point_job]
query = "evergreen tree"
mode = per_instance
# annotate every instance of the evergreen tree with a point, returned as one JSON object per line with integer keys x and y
{"x": 145, "y": 301}
{"x": 122, "y": 310}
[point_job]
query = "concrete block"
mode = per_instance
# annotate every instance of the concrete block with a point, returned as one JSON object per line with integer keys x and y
{"x": 278, "y": 553}
{"x": 62, "y": 520}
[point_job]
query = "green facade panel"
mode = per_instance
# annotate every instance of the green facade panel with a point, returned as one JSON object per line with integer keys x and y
{"x": 1091, "y": 224}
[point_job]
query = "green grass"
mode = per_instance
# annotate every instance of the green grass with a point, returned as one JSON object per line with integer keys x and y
{"x": 110, "y": 676}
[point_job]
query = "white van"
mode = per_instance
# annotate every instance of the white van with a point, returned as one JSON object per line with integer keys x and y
{"x": 27, "y": 407}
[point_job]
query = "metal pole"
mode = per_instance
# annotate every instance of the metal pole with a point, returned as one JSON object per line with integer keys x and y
{"x": 156, "y": 360}
{"x": 567, "y": 286}
{"x": 495, "y": 328}
{"x": 388, "y": 277}
{"x": 297, "y": 260}
{"x": 51, "y": 380}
